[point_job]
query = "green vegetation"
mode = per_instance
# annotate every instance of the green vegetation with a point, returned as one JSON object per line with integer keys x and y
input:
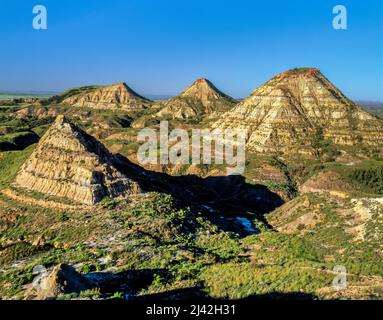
{"x": 16, "y": 252}
{"x": 10, "y": 96}
{"x": 69, "y": 93}
{"x": 370, "y": 180}
{"x": 10, "y": 163}
{"x": 323, "y": 148}
{"x": 290, "y": 186}
{"x": 176, "y": 245}
{"x": 243, "y": 280}
{"x": 18, "y": 140}
{"x": 298, "y": 71}
{"x": 162, "y": 205}
{"x": 108, "y": 203}
{"x": 224, "y": 246}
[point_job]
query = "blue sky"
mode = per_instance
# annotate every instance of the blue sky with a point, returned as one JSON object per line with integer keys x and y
{"x": 160, "y": 47}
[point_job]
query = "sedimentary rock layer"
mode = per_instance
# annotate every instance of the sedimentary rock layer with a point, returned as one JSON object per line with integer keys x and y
{"x": 288, "y": 110}
{"x": 109, "y": 97}
{"x": 200, "y": 98}
{"x": 69, "y": 163}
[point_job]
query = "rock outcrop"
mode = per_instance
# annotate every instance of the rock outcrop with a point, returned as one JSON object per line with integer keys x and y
{"x": 38, "y": 112}
{"x": 288, "y": 111}
{"x": 325, "y": 182}
{"x": 117, "y": 96}
{"x": 69, "y": 163}
{"x": 61, "y": 280}
{"x": 200, "y": 98}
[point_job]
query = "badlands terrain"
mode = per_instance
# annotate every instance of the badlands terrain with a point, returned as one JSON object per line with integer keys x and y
{"x": 81, "y": 218}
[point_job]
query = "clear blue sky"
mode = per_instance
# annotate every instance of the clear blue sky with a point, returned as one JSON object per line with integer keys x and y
{"x": 159, "y": 47}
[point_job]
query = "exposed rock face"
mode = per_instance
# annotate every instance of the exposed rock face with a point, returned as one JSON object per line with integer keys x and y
{"x": 202, "y": 97}
{"x": 18, "y": 141}
{"x": 109, "y": 97}
{"x": 69, "y": 163}
{"x": 297, "y": 215}
{"x": 267, "y": 172}
{"x": 39, "y": 112}
{"x": 286, "y": 112}
{"x": 325, "y": 182}
{"x": 62, "y": 279}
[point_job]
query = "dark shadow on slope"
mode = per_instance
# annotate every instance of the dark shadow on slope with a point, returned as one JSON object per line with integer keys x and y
{"x": 191, "y": 293}
{"x": 128, "y": 282}
{"x": 282, "y": 296}
{"x": 131, "y": 282}
{"x": 7, "y": 146}
{"x": 197, "y": 293}
{"x": 18, "y": 141}
{"x": 217, "y": 196}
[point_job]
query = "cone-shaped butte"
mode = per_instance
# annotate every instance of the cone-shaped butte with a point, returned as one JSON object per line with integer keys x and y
{"x": 117, "y": 96}
{"x": 200, "y": 98}
{"x": 69, "y": 163}
{"x": 286, "y": 113}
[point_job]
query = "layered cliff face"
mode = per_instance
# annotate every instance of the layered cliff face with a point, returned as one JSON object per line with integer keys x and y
{"x": 200, "y": 98}
{"x": 110, "y": 97}
{"x": 69, "y": 163}
{"x": 288, "y": 111}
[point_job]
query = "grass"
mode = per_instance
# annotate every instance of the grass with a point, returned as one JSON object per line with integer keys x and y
{"x": 286, "y": 263}
{"x": 159, "y": 234}
{"x": 161, "y": 205}
{"x": 330, "y": 242}
{"x": 10, "y": 164}
{"x": 7, "y": 107}
{"x": 17, "y": 140}
{"x": 368, "y": 179}
{"x": 71, "y": 92}
{"x": 365, "y": 177}
{"x": 8, "y": 96}
{"x": 155, "y": 232}
{"x": 243, "y": 280}
{"x": 108, "y": 203}
{"x": 224, "y": 246}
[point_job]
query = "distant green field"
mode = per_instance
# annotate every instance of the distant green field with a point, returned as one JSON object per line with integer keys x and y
{"x": 7, "y": 107}
{"x": 9, "y": 96}
{"x": 5, "y": 97}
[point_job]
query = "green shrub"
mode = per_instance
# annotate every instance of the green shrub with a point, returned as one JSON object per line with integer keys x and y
{"x": 10, "y": 164}
{"x": 108, "y": 203}
{"x": 369, "y": 179}
{"x": 241, "y": 280}
{"x": 186, "y": 270}
{"x": 90, "y": 293}
{"x": 323, "y": 148}
{"x": 85, "y": 268}
{"x": 158, "y": 281}
{"x": 62, "y": 216}
{"x": 118, "y": 295}
{"x": 224, "y": 245}
{"x": 161, "y": 205}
